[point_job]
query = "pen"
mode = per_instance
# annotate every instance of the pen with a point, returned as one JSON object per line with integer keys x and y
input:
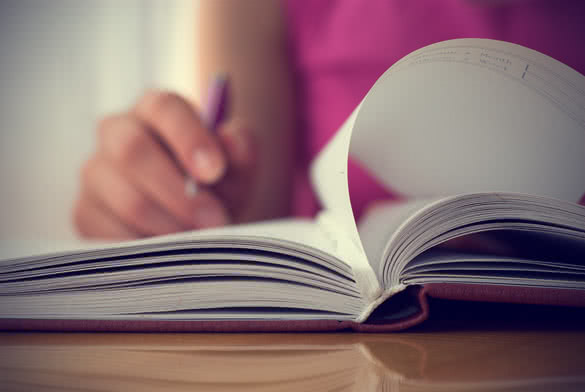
{"x": 213, "y": 115}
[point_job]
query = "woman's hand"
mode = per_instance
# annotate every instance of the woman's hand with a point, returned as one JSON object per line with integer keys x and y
{"x": 134, "y": 184}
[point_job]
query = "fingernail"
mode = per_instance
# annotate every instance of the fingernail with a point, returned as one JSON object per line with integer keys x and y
{"x": 208, "y": 165}
{"x": 210, "y": 216}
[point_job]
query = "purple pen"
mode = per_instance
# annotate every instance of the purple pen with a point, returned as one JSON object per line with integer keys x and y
{"x": 217, "y": 95}
{"x": 215, "y": 110}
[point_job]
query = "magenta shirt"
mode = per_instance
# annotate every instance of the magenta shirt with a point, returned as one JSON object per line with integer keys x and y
{"x": 339, "y": 48}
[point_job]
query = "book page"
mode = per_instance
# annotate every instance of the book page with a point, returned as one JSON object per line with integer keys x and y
{"x": 383, "y": 221}
{"x": 329, "y": 178}
{"x": 523, "y": 226}
{"x": 296, "y": 233}
{"x": 473, "y": 115}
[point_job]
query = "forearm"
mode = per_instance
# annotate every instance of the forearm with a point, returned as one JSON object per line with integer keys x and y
{"x": 246, "y": 40}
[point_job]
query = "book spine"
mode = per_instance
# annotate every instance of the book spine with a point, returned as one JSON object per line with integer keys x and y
{"x": 346, "y": 250}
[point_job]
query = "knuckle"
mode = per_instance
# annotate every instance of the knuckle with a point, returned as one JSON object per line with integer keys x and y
{"x": 158, "y": 102}
{"x": 131, "y": 144}
{"x": 134, "y": 208}
{"x": 175, "y": 119}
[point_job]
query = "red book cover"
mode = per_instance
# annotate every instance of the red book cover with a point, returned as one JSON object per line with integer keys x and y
{"x": 461, "y": 292}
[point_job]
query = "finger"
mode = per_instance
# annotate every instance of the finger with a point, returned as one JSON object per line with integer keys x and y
{"x": 146, "y": 163}
{"x": 175, "y": 121}
{"x": 239, "y": 146}
{"x": 236, "y": 186}
{"x": 209, "y": 211}
{"x": 93, "y": 221}
{"x": 134, "y": 208}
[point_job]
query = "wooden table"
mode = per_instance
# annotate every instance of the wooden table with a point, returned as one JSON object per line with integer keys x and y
{"x": 540, "y": 352}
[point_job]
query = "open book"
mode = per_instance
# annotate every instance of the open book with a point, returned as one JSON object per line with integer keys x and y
{"x": 480, "y": 136}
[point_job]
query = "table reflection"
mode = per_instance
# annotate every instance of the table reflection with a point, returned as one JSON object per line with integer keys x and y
{"x": 415, "y": 361}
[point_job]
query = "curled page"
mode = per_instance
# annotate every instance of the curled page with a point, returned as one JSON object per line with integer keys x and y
{"x": 329, "y": 176}
{"x": 475, "y": 115}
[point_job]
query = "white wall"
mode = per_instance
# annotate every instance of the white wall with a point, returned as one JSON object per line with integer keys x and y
{"x": 63, "y": 65}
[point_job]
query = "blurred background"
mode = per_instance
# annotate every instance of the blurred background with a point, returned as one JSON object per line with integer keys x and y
{"x": 63, "y": 65}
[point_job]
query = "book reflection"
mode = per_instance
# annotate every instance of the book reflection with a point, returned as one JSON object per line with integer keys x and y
{"x": 341, "y": 362}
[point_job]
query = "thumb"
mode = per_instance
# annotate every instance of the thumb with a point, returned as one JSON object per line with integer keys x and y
{"x": 237, "y": 185}
{"x": 239, "y": 146}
